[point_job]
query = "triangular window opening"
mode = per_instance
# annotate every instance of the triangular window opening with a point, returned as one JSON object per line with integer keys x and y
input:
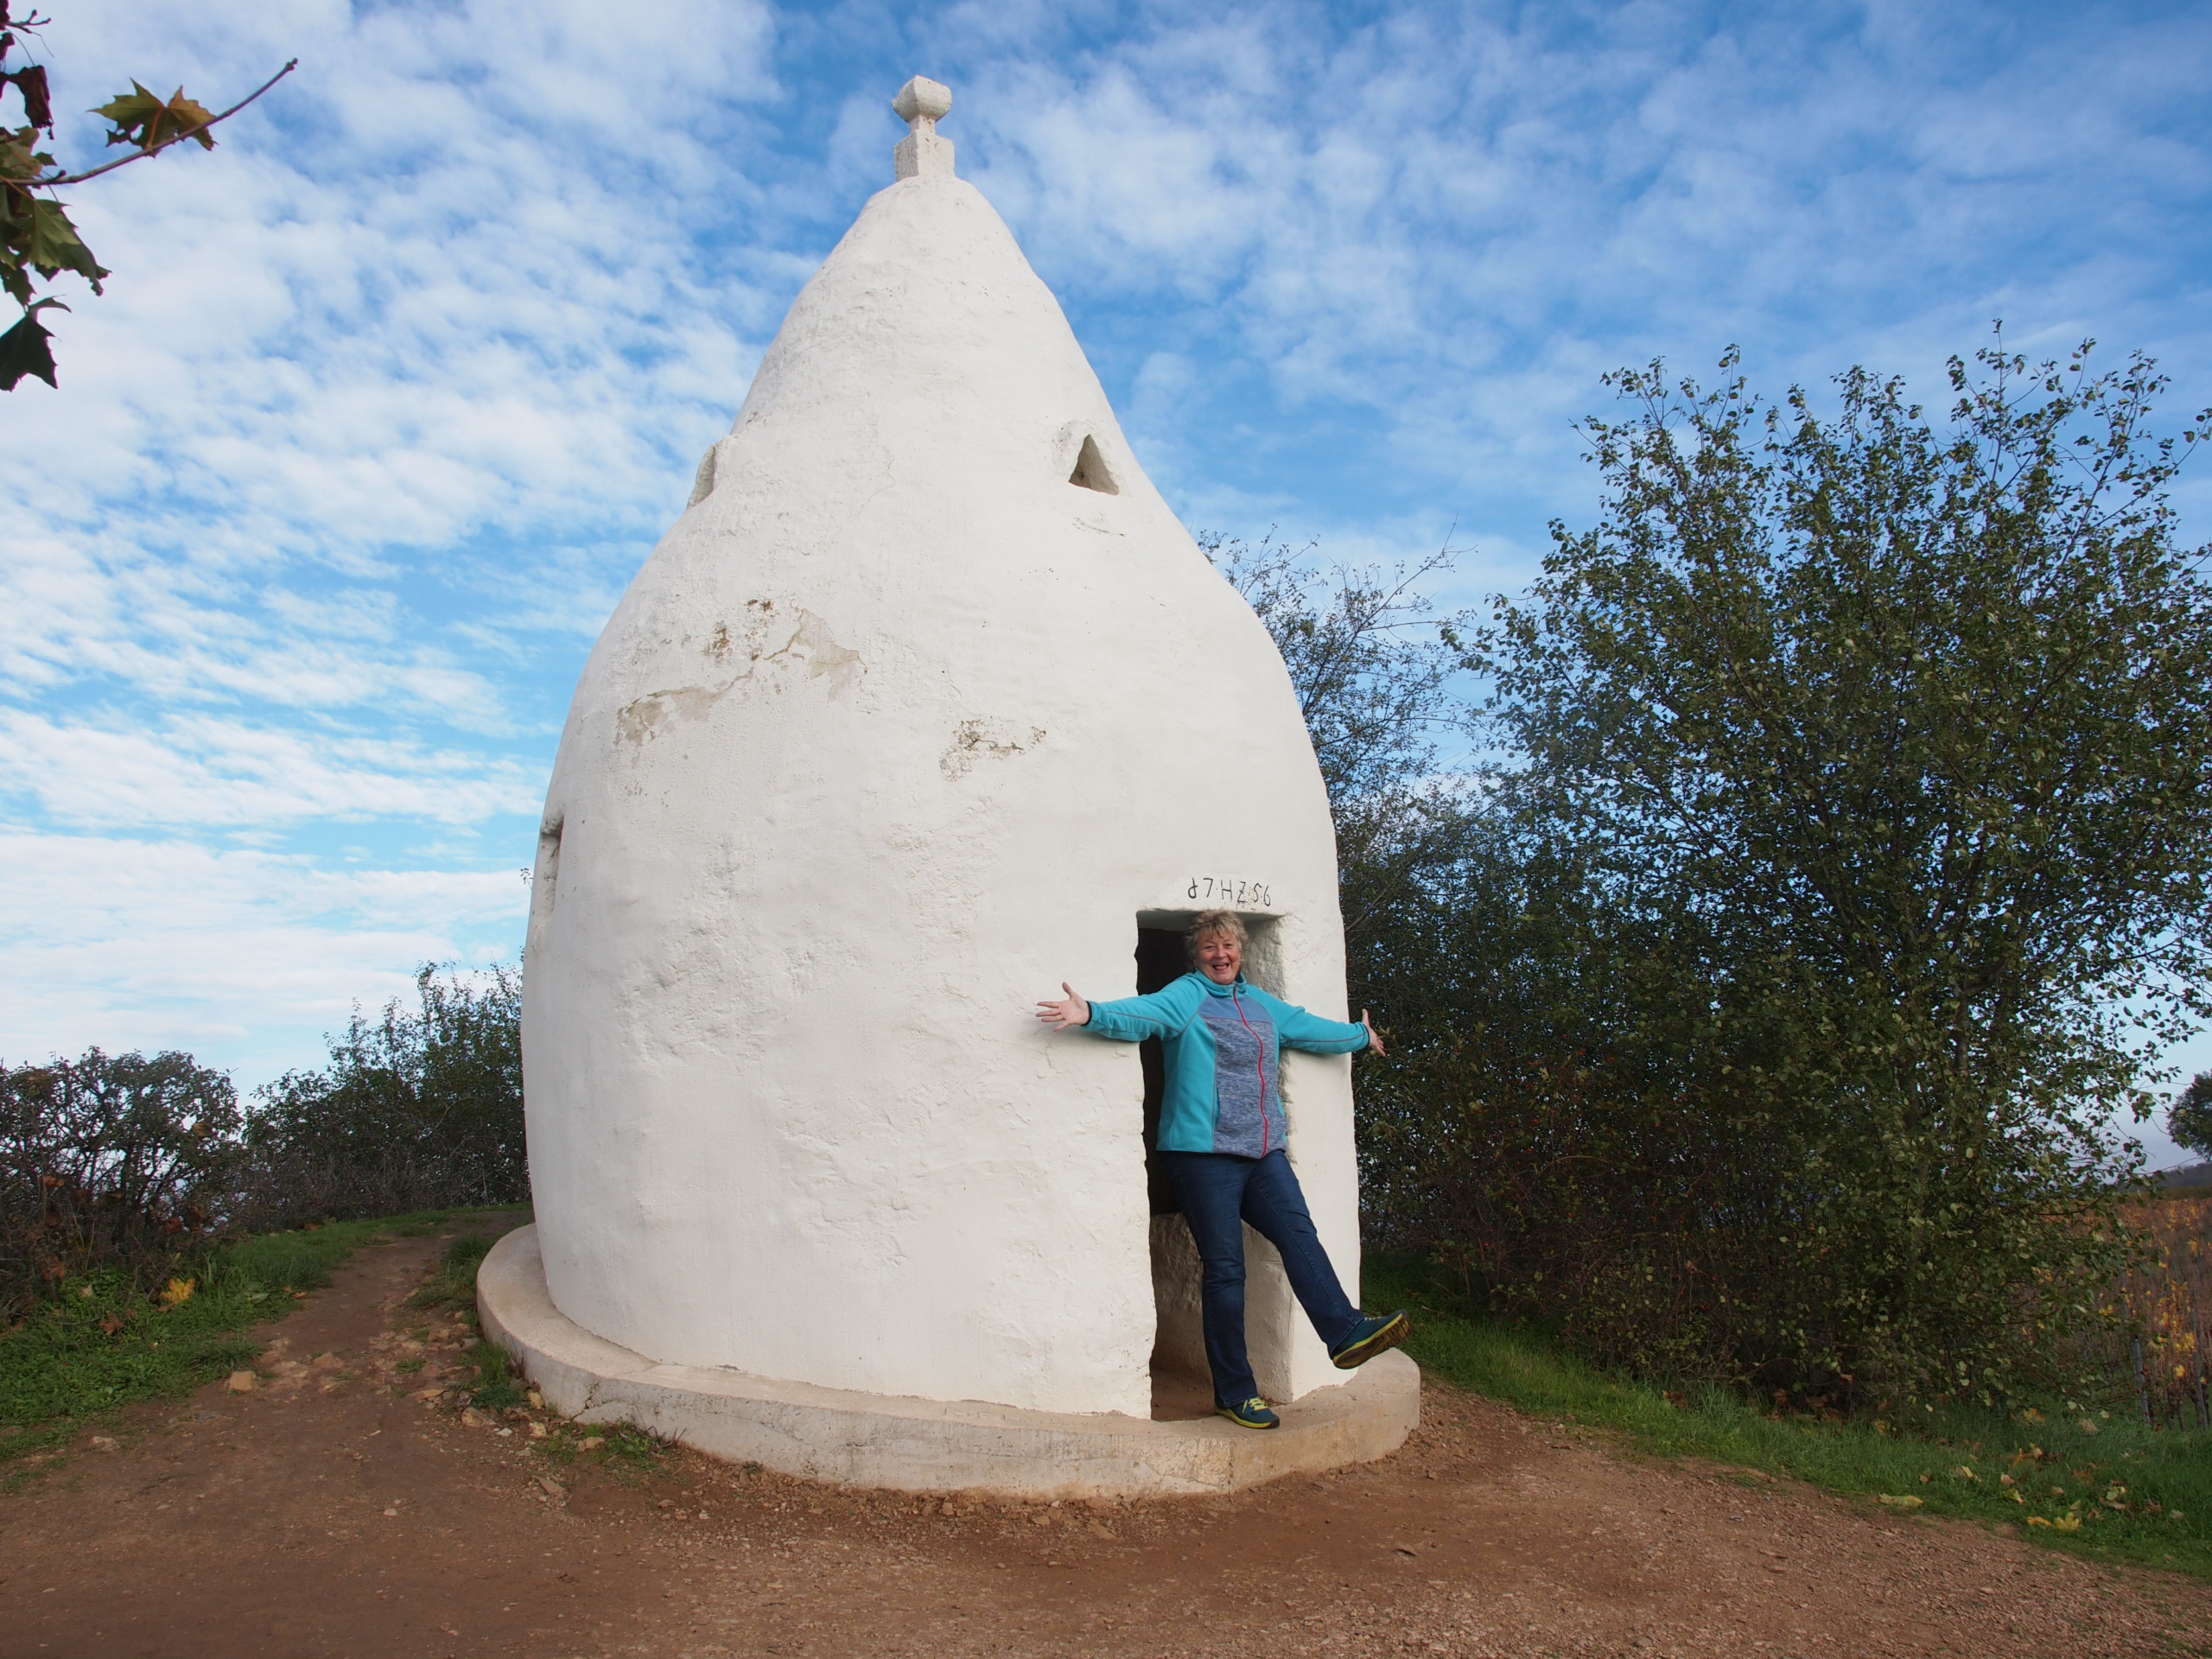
{"x": 1090, "y": 470}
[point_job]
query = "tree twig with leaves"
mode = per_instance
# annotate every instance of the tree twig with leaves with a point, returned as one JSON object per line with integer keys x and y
{"x": 38, "y": 242}
{"x": 1374, "y": 664}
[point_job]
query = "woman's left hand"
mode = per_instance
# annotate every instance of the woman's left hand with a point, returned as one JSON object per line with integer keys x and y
{"x": 1059, "y": 1016}
{"x": 1374, "y": 1037}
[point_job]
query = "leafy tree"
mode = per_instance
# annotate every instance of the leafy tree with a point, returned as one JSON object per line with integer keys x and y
{"x": 420, "y": 1107}
{"x": 1768, "y": 1024}
{"x": 37, "y": 241}
{"x": 2189, "y": 1120}
{"x": 1374, "y": 666}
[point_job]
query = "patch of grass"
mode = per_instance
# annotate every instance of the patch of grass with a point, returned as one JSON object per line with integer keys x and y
{"x": 497, "y": 1388}
{"x": 103, "y": 1343}
{"x": 451, "y": 1287}
{"x": 454, "y": 1284}
{"x": 630, "y": 1452}
{"x": 2098, "y": 1486}
{"x": 627, "y": 1452}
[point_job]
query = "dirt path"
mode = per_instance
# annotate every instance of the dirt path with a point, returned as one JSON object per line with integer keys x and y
{"x": 330, "y": 1514}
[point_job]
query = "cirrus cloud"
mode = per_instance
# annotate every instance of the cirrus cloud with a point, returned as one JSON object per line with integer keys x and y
{"x": 393, "y": 391}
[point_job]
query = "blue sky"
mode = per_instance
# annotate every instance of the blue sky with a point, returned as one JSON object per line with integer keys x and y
{"x": 391, "y": 394}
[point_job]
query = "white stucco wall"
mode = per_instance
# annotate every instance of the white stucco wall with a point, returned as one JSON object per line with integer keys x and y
{"x": 895, "y": 730}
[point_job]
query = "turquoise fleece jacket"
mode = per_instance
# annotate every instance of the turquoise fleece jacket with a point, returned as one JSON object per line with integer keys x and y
{"x": 1223, "y": 1045}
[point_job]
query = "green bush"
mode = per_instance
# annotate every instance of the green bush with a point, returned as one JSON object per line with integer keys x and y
{"x": 1759, "y": 1004}
{"x": 2189, "y": 1121}
{"x": 124, "y": 1162}
{"x": 418, "y": 1108}
{"x": 110, "y": 1164}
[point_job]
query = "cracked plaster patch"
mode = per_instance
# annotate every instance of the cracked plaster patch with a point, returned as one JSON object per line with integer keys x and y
{"x": 809, "y": 646}
{"x": 976, "y": 738}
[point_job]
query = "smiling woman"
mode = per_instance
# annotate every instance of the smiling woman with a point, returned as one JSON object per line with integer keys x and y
{"x": 1222, "y": 1141}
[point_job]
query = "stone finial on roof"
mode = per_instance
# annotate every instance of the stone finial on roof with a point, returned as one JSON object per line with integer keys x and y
{"x": 922, "y": 103}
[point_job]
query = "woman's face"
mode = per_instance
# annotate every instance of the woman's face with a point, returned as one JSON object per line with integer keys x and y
{"x": 1220, "y": 956}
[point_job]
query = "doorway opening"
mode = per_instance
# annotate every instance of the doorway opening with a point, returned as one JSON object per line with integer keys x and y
{"x": 1160, "y": 963}
{"x": 1182, "y": 1386}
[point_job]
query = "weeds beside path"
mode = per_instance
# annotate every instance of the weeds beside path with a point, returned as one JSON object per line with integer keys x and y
{"x": 2093, "y": 1482}
{"x": 102, "y": 1344}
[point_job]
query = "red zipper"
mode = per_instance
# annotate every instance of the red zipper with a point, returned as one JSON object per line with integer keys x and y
{"x": 1259, "y": 1065}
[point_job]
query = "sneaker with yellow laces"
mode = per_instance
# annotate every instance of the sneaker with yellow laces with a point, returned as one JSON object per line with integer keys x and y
{"x": 1374, "y": 1333}
{"x": 1250, "y": 1414}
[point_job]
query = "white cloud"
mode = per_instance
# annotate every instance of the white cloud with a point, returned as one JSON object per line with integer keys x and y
{"x": 433, "y": 284}
{"x": 1451, "y": 219}
{"x": 194, "y": 774}
{"x": 386, "y": 398}
{"x": 243, "y": 957}
{"x": 391, "y": 391}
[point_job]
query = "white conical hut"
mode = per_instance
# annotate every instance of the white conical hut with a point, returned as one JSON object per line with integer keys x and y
{"x": 926, "y": 703}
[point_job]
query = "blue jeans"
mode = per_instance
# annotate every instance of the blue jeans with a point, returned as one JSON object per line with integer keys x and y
{"x": 1219, "y": 1191}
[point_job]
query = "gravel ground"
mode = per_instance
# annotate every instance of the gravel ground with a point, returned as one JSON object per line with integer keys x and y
{"x": 330, "y": 1511}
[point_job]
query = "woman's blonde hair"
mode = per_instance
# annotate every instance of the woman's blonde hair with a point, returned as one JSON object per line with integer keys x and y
{"x": 1212, "y": 921}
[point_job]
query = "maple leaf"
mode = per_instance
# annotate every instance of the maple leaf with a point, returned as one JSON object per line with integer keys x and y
{"x": 142, "y": 118}
{"x": 38, "y": 241}
{"x": 38, "y": 105}
{"x": 49, "y": 242}
{"x": 20, "y": 158}
{"x": 24, "y": 349}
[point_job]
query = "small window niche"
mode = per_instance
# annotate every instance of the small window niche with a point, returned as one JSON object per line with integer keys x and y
{"x": 703, "y": 481}
{"x": 1090, "y": 470}
{"x": 544, "y": 881}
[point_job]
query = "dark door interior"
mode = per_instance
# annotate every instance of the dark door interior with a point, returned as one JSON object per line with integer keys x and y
{"x": 1160, "y": 962}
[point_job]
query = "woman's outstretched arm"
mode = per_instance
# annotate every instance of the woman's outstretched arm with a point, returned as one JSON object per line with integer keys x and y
{"x": 1129, "y": 1019}
{"x": 1299, "y": 1029}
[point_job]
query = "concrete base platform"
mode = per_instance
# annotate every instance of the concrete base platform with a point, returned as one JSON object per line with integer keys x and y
{"x": 866, "y": 1439}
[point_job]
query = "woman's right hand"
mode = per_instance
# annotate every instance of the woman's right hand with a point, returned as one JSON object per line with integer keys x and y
{"x": 1074, "y": 1011}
